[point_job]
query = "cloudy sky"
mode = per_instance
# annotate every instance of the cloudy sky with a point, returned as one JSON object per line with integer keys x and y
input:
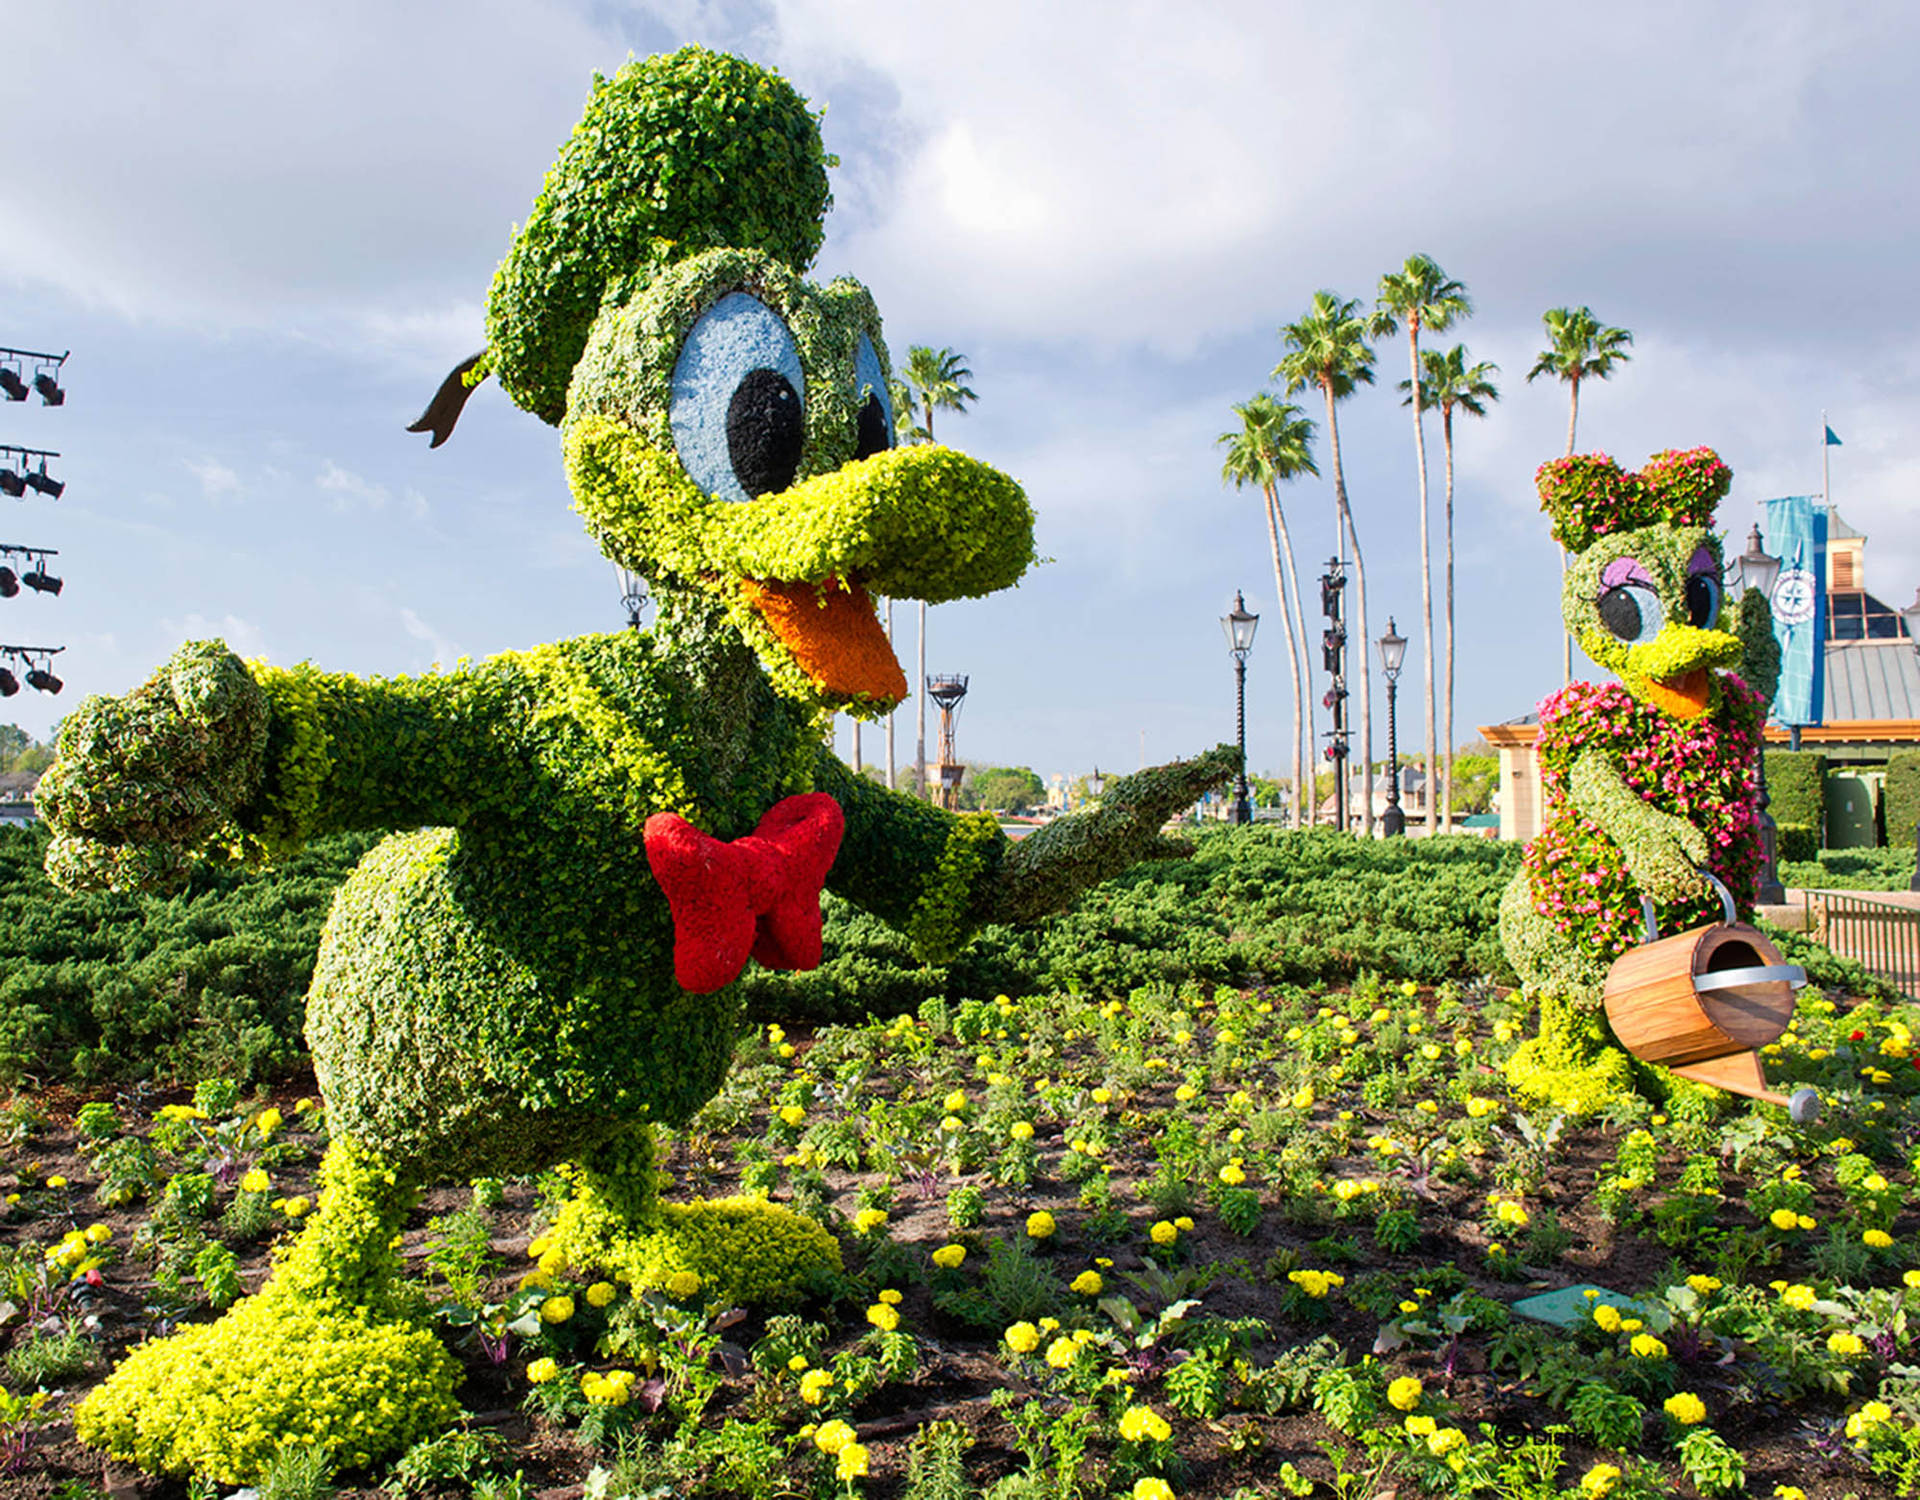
{"x": 266, "y": 232}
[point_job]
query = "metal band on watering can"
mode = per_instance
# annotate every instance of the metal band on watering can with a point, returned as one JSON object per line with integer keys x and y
{"x": 1728, "y": 979}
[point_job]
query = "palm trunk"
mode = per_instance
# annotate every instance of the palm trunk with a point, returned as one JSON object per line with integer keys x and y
{"x": 892, "y": 776}
{"x": 857, "y": 767}
{"x": 1566, "y": 641}
{"x": 1360, "y": 602}
{"x": 1446, "y": 430}
{"x": 920, "y": 698}
{"x": 1426, "y": 564}
{"x": 1279, "y": 543}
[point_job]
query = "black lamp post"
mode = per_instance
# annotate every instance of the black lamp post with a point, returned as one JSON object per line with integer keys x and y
{"x": 1239, "y": 627}
{"x": 1911, "y": 617}
{"x": 1393, "y": 650}
{"x": 1757, "y": 569}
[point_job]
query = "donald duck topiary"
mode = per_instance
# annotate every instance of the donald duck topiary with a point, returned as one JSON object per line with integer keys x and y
{"x": 598, "y": 835}
{"x": 1645, "y": 783}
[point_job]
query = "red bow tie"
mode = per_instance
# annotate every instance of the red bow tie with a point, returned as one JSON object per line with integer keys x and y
{"x": 757, "y": 895}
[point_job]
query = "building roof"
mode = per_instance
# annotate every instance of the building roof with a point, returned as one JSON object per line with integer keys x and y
{"x": 1877, "y": 679}
{"x": 1838, "y": 530}
{"x": 1855, "y": 615}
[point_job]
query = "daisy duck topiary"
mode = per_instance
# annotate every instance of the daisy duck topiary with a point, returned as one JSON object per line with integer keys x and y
{"x": 593, "y": 838}
{"x": 1646, "y": 782}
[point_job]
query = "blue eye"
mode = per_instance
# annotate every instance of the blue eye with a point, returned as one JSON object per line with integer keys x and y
{"x": 1703, "y": 600}
{"x": 1632, "y": 612}
{"x": 873, "y": 402}
{"x": 739, "y": 401}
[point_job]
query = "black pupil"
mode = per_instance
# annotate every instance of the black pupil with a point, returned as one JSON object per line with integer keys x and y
{"x": 872, "y": 436}
{"x": 765, "y": 429}
{"x": 1620, "y": 613}
{"x": 1700, "y": 600}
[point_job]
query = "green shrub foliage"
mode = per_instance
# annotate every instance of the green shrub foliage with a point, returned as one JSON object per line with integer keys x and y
{"x": 1796, "y": 789}
{"x": 1901, "y": 799}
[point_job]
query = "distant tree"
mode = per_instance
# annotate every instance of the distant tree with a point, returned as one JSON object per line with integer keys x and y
{"x": 1449, "y": 382}
{"x": 1328, "y": 350}
{"x": 1475, "y": 779}
{"x": 1418, "y": 295}
{"x": 20, "y": 752}
{"x": 1008, "y": 788}
{"x": 938, "y": 380}
{"x": 1273, "y": 444}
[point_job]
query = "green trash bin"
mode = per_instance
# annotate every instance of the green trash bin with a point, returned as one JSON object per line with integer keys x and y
{"x": 1853, "y": 803}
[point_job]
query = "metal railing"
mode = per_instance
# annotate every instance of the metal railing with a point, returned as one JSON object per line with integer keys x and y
{"x": 1881, "y": 935}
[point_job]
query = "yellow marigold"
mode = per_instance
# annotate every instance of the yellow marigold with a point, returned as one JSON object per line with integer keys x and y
{"x": 1607, "y": 1316}
{"x": 1599, "y": 1481}
{"x": 1799, "y": 1297}
{"x": 792, "y": 1114}
{"x": 1102, "y": 1096}
{"x": 296, "y": 1207}
{"x": 1232, "y": 1175}
{"x": 1445, "y": 1441}
{"x": 851, "y": 1463}
{"x": 1144, "y": 1424}
{"x": 1152, "y": 1487}
{"x": 1706, "y": 1286}
{"x": 1040, "y": 1225}
{"x": 1022, "y": 1130}
{"x": 949, "y": 1257}
{"x": 1421, "y": 1425}
{"x": 1023, "y": 1338}
{"x": 831, "y": 1437}
{"x": 99, "y": 1234}
{"x": 1910, "y": 1278}
{"x": 1646, "y": 1346}
{"x": 1868, "y": 1417}
{"x": 600, "y": 1294}
{"x": 1788, "y": 1492}
{"x": 268, "y": 1122}
{"x": 1845, "y": 1344}
{"x": 869, "y": 1219}
{"x": 883, "y": 1317}
{"x": 1088, "y": 1284}
{"x": 56, "y": 1181}
{"x": 556, "y": 1309}
{"x": 891, "y": 1297}
{"x": 1061, "y": 1353}
{"x": 542, "y": 1370}
{"x": 1183, "y": 1224}
{"x": 798, "y": 1363}
{"x": 1876, "y": 1239}
{"x": 1186, "y": 1093}
{"x": 256, "y": 1181}
{"x": 814, "y": 1385}
{"x": 1685, "y": 1408}
{"x": 1404, "y": 1393}
{"x": 955, "y": 1102}
{"x": 683, "y": 1284}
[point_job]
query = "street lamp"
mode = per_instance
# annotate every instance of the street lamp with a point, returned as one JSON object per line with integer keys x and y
{"x": 1393, "y": 650}
{"x": 1911, "y": 616}
{"x": 1756, "y": 569}
{"x": 1239, "y": 627}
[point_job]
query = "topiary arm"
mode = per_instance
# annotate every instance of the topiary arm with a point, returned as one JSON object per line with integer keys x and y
{"x": 940, "y": 877}
{"x": 212, "y": 758}
{"x": 1664, "y": 853}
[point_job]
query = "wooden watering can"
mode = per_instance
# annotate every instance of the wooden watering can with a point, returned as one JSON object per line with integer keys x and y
{"x": 1703, "y": 1003}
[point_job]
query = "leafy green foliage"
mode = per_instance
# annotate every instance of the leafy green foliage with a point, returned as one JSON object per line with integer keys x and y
{"x": 1796, "y": 782}
{"x": 1004, "y": 788}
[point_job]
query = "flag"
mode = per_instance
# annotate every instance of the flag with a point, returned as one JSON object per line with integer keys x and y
{"x": 1833, "y": 441}
{"x": 1796, "y": 532}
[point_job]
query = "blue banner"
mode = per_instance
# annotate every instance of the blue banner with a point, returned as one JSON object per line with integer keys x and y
{"x": 1796, "y": 533}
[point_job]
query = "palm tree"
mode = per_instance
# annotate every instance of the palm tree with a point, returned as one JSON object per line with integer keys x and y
{"x": 938, "y": 378}
{"x": 1274, "y": 444}
{"x": 1448, "y": 382}
{"x": 1328, "y": 349}
{"x": 1580, "y": 346}
{"x": 1421, "y": 294}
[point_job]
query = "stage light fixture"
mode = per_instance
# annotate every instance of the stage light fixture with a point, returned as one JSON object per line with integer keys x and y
{"x": 9, "y": 583}
{"x": 44, "y": 681}
{"x": 39, "y": 480}
{"x": 14, "y": 484}
{"x": 12, "y": 384}
{"x": 9, "y": 684}
{"x": 49, "y": 388}
{"x": 41, "y": 582}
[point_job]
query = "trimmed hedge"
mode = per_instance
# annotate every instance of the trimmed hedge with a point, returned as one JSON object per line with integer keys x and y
{"x": 1796, "y": 788}
{"x": 1900, "y": 802}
